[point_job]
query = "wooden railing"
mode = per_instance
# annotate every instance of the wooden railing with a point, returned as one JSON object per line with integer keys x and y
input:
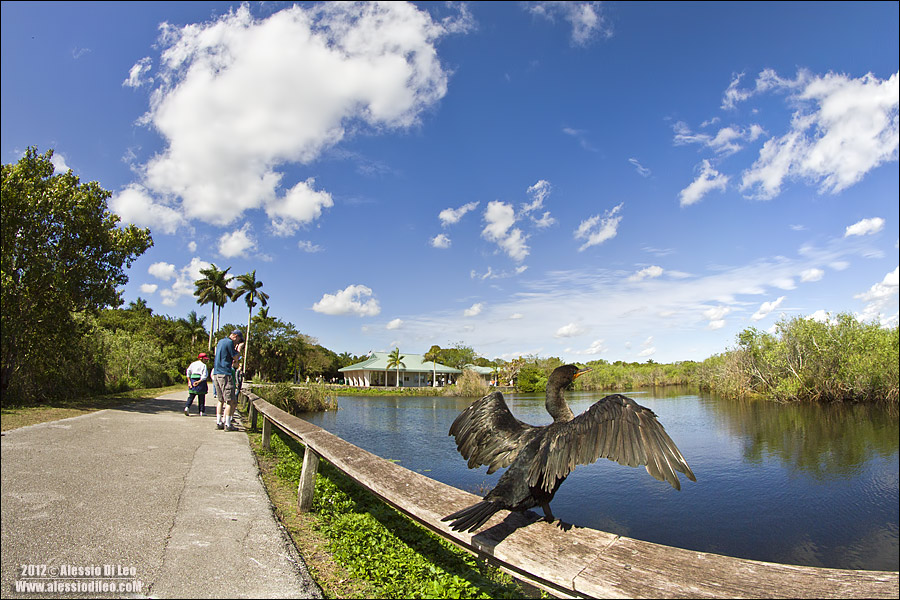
{"x": 576, "y": 563}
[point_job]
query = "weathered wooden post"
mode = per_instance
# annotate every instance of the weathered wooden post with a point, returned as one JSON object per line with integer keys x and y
{"x": 307, "y": 480}
{"x": 267, "y": 432}
{"x": 253, "y": 413}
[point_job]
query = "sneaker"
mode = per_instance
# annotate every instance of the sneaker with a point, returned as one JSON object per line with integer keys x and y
{"x": 200, "y": 413}
{"x": 187, "y": 412}
{"x": 231, "y": 428}
{"x": 220, "y": 425}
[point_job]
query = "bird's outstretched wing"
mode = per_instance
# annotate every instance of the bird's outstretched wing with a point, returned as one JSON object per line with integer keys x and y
{"x": 617, "y": 428}
{"x": 488, "y": 434}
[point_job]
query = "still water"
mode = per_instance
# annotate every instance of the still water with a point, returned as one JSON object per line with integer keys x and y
{"x": 800, "y": 484}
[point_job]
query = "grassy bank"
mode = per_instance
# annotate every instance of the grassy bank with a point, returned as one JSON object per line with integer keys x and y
{"x": 356, "y": 546}
{"x": 13, "y": 417}
{"x": 298, "y": 399}
{"x": 346, "y": 390}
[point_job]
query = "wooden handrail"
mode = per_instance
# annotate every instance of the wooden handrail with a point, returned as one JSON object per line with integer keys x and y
{"x": 578, "y": 563}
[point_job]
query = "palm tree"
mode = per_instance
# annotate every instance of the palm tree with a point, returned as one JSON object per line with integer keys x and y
{"x": 195, "y": 325}
{"x": 262, "y": 316}
{"x": 433, "y": 355}
{"x": 140, "y": 306}
{"x": 250, "y": 286}
{"x": 395, "y": 360}
{"x": 213, "y": 289}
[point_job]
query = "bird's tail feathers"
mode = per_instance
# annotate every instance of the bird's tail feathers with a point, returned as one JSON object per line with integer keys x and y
{"x": 472, "y": 517}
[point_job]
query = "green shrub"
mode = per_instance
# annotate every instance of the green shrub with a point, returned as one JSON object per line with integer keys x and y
{"x": 839, "y": 360}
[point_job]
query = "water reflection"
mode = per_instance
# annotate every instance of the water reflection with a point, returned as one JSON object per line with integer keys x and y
{"x": 801, "y": 484}
{"x": 823, "y": 441}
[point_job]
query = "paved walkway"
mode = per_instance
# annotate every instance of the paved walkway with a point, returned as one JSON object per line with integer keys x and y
{"x": 146, "y": 500}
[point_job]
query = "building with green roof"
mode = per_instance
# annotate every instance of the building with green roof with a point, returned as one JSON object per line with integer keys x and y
{"x": 487, "y": 374}
{"x": 414, "y": 371}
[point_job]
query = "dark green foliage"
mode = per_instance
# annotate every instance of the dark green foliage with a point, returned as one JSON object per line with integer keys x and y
{"x": 63, "y": 255}
{"x": 531, "y": 379}
{"x": 139, "y": 349}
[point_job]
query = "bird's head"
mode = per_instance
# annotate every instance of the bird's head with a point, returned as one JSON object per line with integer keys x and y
{"x": 566, "y": 374}
{"x": 561, "y": 378}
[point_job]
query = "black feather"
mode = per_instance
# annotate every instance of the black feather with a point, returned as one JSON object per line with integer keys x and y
{"x": 540, "y": 458}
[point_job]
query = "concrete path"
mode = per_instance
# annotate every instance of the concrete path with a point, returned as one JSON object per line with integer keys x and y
{"x": 146, "y": 502}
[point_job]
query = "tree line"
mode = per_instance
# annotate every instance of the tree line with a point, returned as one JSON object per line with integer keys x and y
{"x": 64, "y": 257}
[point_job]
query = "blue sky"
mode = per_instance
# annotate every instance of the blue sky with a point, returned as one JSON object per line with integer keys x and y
{"x": 619, "y": 181}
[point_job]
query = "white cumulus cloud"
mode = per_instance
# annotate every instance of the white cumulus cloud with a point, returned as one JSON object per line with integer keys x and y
{"x": 162, "y": 270}
{"x": 451, "y": 216}
{"x": 500, "y": 218}
{"x": 474, "y": 310}
{"x": 716, "y": 316}
{"x": 309, "y": 247}
{"x": 882, "y": 300}
{"x": 708, "y": 180}
{"x": 597, "y": 347}
{"x": 810, "y": 275}
{"x": 138, "y": 74}
{"x": 440, "y": 241}
{"x": 538, "y": 192}
{"x": 570, "y": 330}
{"x": 240, "y": 98}
{"x": 237, "y": 243}
{"x": 598, "y": 229}
{"x": 843, "y": 129}
{"x": 766, "y": 308}
{"x": 352, "y": 300}
{"x": 865, "y": 227}
{"x": 586, "y": 18}
{"x": 135, "y": 204}
{"x": 300, "y": 205}
{"x": 184, "y": 282}
{"x": 651, "y": 272}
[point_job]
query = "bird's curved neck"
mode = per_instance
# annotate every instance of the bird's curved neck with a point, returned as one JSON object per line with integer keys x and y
{"x": 557, "y": 405}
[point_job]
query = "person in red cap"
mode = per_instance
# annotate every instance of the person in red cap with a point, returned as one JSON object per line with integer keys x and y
{"x": 197, "y": 375}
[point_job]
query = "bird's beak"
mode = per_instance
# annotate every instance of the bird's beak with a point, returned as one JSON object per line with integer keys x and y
{"x": 581, "y": 372}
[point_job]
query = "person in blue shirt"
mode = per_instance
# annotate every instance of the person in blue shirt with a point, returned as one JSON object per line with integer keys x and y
{"x": 226, "y": 358}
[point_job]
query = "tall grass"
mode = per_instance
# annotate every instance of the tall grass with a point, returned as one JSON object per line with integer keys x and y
{"x": 620, "y": 376}
{"x": 296, "y": 400}
{"x": 469, "y": 385}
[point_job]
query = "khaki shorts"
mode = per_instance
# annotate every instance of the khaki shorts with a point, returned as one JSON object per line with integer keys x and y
{"x": 225, "y": 389}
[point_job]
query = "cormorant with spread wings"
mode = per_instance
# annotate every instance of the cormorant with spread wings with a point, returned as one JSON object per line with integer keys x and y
{"x": 540, "y": 458}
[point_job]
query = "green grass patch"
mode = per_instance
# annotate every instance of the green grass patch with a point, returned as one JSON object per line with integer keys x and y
{"x": 374, "y": 543}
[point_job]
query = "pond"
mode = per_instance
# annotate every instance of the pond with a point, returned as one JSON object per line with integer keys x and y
{"x": 798, "y": 484}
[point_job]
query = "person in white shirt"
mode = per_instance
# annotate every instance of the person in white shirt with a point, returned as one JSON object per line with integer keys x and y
{"x": 197, "y": 375}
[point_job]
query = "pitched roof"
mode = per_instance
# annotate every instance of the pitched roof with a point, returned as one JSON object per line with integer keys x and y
{"x": 410, "y": 362}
